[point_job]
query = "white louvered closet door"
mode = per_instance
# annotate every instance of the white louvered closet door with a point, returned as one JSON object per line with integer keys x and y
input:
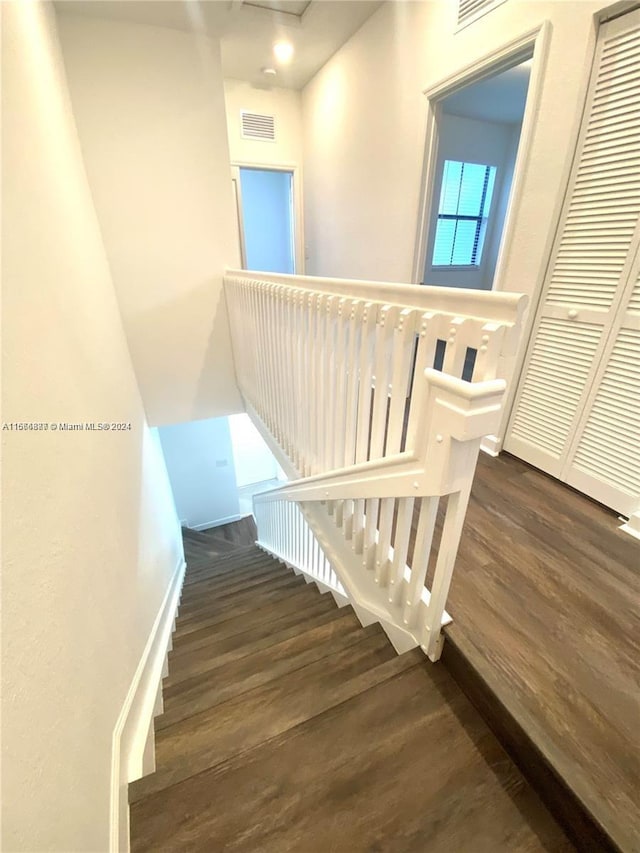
{"x": 575, "y": 414}
{"x": 604, "y": 460}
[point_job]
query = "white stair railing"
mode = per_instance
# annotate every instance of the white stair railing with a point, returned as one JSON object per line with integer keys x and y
{"x": 377, "y": 395}
{"x": 285, "y": 533}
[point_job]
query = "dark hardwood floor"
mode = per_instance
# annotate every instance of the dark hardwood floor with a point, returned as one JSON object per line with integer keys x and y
{"x": 546, "y": 607}
{"x": 289, "y": 727}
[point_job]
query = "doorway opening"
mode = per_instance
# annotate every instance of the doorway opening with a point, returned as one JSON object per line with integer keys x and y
{"x": 478, "y": 130}
{"x": 266, "y": 218}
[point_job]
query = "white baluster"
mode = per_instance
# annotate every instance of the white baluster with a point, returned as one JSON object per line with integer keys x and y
{"x": 489, "y": 348}
{"x": 383, "y": 340}
{"x": 402, "y": 356}
{"x": 365, "y": 371}
{"x": 370, "y": 530}
{"x": 400, "y": 548}
{"x": 456, "y": 350}
{"x": 429, "y": 325}
{"x": 451, "y": 532}
{"x": 421, "y": 552}
{"x": 385, "y": 528}
{"x": 357, "y": 538}
{"x": 340, "y": 384}
{"x": 348, "y": 519}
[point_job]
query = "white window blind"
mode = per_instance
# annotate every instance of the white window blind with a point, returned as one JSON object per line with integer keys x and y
{"x": 465, "y": 202}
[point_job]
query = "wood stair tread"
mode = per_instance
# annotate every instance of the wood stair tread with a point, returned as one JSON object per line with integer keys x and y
{"x": 219, "y": 581}
{"x": 290, "y": 603}
{"x": 214, "y": 602}
{"x": 244, "y": 605}
{"x": 214, "y": 569}
{"x": 289, "y": 727}
{"x": 198, "y": 537}
{"x": 361, "y": 776}
{"x": 553, "y": 774}
{"x": 219, "y": 568}
{"x": 251, "y": 671}
{"x": 219, "y": 651}
{"x": 193, "y": 745}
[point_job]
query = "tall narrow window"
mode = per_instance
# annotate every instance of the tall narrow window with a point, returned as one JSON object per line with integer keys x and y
{"x": 465, "y": 201}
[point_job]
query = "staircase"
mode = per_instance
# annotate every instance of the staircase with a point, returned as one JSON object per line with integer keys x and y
{"x": 287, "y": 726}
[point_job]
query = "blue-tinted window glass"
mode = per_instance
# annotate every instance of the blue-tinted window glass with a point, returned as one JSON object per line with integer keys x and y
{"x": 465, "y": 201}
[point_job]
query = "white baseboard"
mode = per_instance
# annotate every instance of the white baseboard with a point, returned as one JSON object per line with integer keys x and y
{"x": 491, "y": 444}
{"x": 132, "y": 740}
{"x": 632, "y": 526}
{"x": 218, "y": 522}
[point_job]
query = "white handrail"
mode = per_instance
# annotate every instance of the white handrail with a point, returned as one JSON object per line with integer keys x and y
{"x": 341, "y": 376}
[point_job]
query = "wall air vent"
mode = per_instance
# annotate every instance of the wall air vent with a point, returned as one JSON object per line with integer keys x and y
{"x": 471, "y": 10}
{"x": 257, "y": 126}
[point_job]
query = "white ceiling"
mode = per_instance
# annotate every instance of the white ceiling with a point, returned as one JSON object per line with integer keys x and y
{"x": 248, "y": 30}
{"x": 500, "y": 98}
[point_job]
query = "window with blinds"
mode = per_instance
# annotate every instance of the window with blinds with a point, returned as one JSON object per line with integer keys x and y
{"x": 463, "y": 213}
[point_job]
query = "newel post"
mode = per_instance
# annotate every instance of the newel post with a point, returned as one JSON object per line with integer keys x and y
{"x": 459, "y": 414}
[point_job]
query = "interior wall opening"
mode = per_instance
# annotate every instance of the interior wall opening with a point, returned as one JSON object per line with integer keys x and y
{"x": 266, "y": 218}
{"x": 477, "y": 136}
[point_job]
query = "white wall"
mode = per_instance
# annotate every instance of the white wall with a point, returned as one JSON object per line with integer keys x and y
{"x": 287, "y": 150}
{"x": 284, "y": 104}
{"x": 364, "y": 118}
{"x": 199, "y": 460}
{"x": 472, "y": 141}
{"x": 149, "y": 106}
{"x": 364, "y": 121}
{"x": 254, "y": 462}
{"x": 90, "y": 536}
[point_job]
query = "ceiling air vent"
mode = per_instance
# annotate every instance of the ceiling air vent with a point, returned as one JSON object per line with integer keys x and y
{"x": 470, "y": 10}
{"x": 257, "y": 126}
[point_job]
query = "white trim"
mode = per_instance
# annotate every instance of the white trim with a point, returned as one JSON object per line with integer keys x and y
{"x": 516, "y": 367}
{"x": 132, "y": 738}
{"x": 491, "y": 445}
{"x": 535, "y": 41}
{"x": 218, "y": 522}
{"x": 632, "y": 527}
{"x": 401, "y": 639}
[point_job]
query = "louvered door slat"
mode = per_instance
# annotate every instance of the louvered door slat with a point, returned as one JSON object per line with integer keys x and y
{"x": 577, "y": 412}
{"x": 563, "y": 350}
{"x": 634, "y": 301}
{"x": 609, "y": 448}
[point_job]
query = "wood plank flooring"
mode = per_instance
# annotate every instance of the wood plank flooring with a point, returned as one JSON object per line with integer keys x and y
{"x": 289, "y": 727}
{"x": 546, "y": 607}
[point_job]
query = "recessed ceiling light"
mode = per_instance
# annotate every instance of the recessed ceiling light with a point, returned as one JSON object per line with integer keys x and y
{"x": 271, "y": 72}
{"x": 283, "y": 51}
